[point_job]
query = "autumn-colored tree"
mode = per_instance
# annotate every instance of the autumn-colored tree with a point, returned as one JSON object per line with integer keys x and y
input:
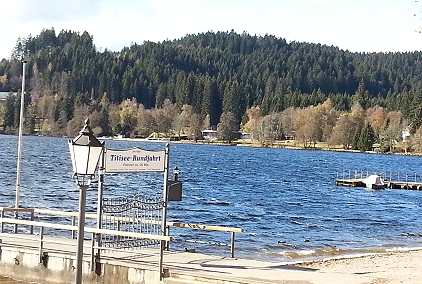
{"x": 376, "y": 118}
{"x": 308, "y": 126}
{"x": 253, "y": 114}
{"x": 145, "y": 121}
{"x": 128, "y": 115}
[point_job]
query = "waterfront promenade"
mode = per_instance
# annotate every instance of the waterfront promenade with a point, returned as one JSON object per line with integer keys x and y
{"x": 179, "y": 267}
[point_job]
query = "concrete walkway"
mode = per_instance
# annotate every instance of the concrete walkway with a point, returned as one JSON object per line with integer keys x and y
{"x": 203, "y": 268}
{"x": 186, "y": 267}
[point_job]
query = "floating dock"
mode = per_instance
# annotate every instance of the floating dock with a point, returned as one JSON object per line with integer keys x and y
{"x": 393, "y": 180}
{"x": 389, "y": 184}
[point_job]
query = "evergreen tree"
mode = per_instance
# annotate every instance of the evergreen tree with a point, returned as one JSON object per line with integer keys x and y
{"x": 365, "y": 139}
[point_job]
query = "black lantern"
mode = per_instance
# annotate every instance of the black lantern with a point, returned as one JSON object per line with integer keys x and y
{"x": 85, "y": 151}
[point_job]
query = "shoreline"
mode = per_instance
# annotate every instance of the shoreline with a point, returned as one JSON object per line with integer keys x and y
{"x": 382, "y": 268}
{"x": 246, "y": 143}
{"x": 391, "y": 267}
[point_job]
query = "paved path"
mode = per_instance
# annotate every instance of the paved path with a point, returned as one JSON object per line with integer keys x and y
{"x": 186, "y": 267}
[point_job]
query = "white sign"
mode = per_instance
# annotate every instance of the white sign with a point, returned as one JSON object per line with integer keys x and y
{"x": 134, "y": 160}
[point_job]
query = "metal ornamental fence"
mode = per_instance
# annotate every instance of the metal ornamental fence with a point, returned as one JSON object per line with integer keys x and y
{"x": 138, "y": 214}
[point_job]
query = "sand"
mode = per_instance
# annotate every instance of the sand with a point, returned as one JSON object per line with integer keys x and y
{"x": 388, "y": 268}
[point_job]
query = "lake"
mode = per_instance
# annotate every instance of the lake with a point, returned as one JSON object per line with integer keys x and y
{"x": 284, "y": 199}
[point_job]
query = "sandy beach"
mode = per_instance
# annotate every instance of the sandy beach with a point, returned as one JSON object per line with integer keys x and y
{"x": 388, "y": 268}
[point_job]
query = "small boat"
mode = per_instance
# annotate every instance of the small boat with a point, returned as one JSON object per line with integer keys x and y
{"x": 374, "y": 182}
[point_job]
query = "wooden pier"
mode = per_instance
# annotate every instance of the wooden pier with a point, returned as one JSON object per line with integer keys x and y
{"x": 389, "y": 184}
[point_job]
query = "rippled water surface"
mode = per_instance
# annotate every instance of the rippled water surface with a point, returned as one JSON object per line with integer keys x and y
{"x": 284, "y": 199}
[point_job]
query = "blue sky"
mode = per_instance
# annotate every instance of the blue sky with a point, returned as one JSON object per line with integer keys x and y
{"x": 354, "y": 25}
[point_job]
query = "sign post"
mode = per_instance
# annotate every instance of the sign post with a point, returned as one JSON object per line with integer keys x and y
{"x": 139, "y": 160}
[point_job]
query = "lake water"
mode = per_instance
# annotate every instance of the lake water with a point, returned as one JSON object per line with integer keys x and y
{"x": 284, "y": 199}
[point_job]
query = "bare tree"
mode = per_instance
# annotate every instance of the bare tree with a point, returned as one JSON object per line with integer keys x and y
{"x": 164, "y": 117}
{"x": 392, "y": 131}
{"x": 416, "y": 141}
{"x": 343, "y": 132}
{"x": 195, "y": 127}
{"x": 227, "y": 128}
{"x": 145, "y": 121}
{"x": 78, "y": 121}
{"x": 181, "y": 123}
{"x": 269, "y": 128}
{"x": 328, "y": 115}
{"x": 206, "y": 124}
{"x": 308, "y": 126}
{"x": 287, "y": 119}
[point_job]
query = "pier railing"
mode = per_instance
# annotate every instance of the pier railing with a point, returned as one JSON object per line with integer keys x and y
{"x": 39, "y": 214}
{"x": 93, "y": 247}
{"x": 386, "y": 175}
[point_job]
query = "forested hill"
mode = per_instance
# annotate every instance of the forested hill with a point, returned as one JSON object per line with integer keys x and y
{"x": 214, "y": 72}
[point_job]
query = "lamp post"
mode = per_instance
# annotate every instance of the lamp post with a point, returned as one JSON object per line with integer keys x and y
{"x": 176, "y": 174}
{"x": 18, "y": 170}
{"x": 85, "y": 150}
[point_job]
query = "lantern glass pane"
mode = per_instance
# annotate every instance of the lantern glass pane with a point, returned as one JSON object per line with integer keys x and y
{"x": 94, "y": 155}
{"x": 81, "y": 156}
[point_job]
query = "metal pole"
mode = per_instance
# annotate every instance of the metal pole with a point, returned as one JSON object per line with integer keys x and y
{"x": 165, "y": 203}
{"x": 73, "y": 224}
{"x": 81, "y": 232}
{"x": 18, "y": 170}
{"x": 41, "y": 245}
{"x": 232, "y": 245}
{"x": 165, "y": 190}
{"x": 101, "y": 173}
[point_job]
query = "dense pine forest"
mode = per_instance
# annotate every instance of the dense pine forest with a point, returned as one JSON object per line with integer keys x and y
{"x": 222, "y": 80}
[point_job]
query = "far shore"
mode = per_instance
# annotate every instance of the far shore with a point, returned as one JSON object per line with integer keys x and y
{"x": 287, "y": 144}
